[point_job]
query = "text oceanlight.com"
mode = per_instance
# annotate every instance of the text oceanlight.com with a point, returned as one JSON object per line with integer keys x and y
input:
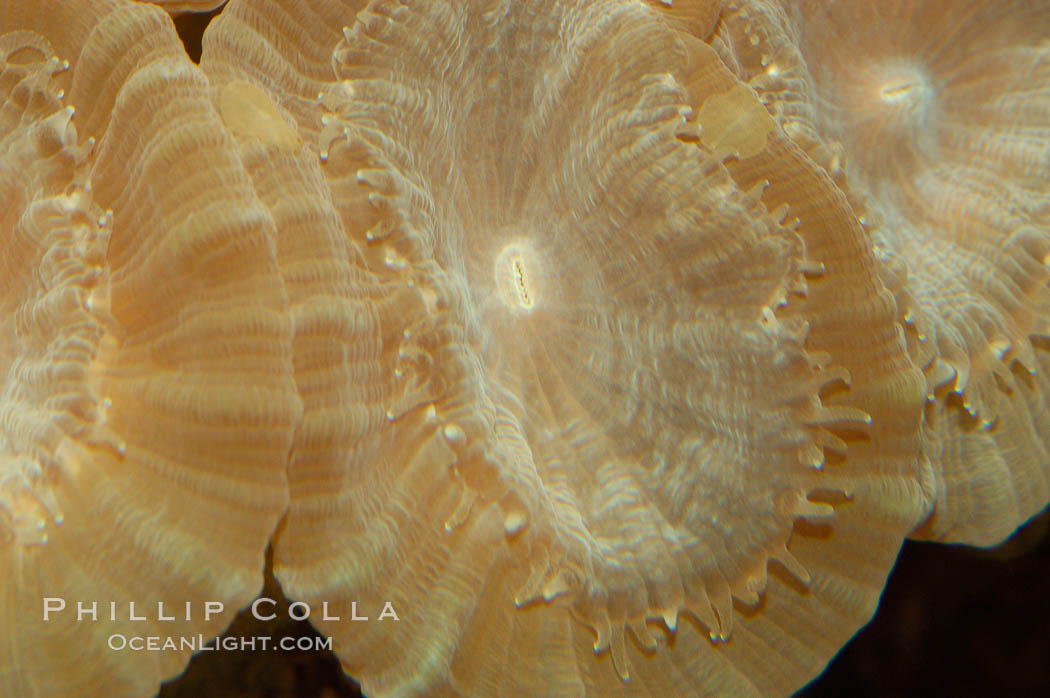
{"x": 262, "y": 609}
{"x": 198, "y": 643}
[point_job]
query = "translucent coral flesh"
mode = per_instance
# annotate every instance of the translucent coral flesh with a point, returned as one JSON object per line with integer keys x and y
{"x": 617, "y": 345}
{"x": 934, "y": 117}
{"x": 564, "y": 379}
{"x": 147, "y": 400}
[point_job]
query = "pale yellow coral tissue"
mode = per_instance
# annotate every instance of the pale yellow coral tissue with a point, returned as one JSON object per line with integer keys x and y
{"x": 617, "y": 344}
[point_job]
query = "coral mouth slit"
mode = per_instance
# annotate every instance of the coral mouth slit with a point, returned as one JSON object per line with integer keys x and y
{"x": 523, "y": 288}
{"x": 516, "y": 282}
{"x": 898, "y": 92}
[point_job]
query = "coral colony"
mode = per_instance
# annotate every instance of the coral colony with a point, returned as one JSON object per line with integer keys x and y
{"x": 553, "y": 347}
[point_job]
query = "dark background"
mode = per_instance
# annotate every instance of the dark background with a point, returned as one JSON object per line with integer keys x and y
{"x": 953, "y": 621}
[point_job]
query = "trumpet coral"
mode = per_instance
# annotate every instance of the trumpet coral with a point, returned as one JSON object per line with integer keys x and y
{"x": 569, "y": 403}
{"x": 564, "y": 329}
{"x": 944, "y": 151}
{"x": 147, "y": 396}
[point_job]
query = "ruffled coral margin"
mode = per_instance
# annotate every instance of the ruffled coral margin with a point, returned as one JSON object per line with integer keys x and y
{"x": 50, "y": 401}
